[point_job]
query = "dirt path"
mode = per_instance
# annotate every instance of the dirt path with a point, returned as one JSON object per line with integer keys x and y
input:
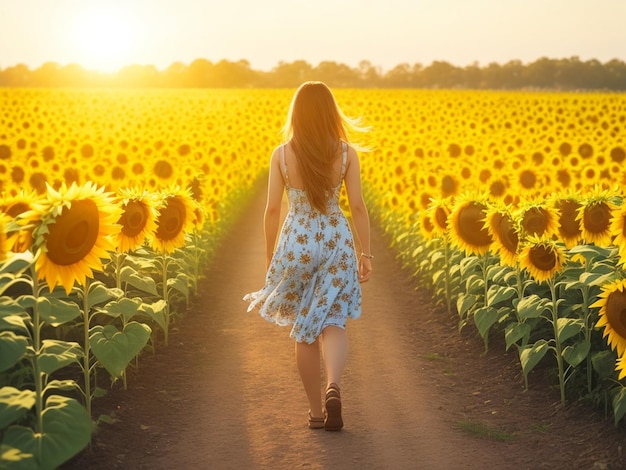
{"x": 226, "y": 393}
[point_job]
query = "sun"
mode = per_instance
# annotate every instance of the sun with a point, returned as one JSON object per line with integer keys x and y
{"x": 105, "y": 38}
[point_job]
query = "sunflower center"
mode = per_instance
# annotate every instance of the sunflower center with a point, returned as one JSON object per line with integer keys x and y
{"x": 427, "y": 224}
{"x": 497, "y": 189}
{"x": 17, "y": 209}
{"x": 542, "y": 257}
{"x": 448, "y": 186}
{"x": 616, "y": 312}
{"x": 535, "y": 221}
{"x": 74, "y": 233}
{"x": 133, "y": 219}
{"x": 528, "y": 179}
{"x": 597, "y": 218}
{"x": 441, "y": 217}
{"x": 171, "y": 220}
{"x": 471, "y": 226}
{"x": 506, "y": 233}
{"x": 569, "y": 225}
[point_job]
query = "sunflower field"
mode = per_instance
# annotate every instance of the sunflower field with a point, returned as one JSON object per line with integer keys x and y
{"x": 507, "y": 206}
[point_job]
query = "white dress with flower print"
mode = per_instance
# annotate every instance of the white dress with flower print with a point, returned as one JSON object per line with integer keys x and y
{"x": 312, "y": 281}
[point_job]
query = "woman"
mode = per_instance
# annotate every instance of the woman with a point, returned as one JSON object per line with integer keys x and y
{"x": 313, "y": 277}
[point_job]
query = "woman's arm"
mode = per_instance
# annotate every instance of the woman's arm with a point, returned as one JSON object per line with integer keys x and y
{"x": 275, "y": 189}
{"x": 360, "y": 215}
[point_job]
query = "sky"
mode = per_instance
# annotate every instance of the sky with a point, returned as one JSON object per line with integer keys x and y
{"x": 107, "y": 35}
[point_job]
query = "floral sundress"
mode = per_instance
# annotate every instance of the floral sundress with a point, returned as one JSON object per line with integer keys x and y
{"x": 312, "y": 281}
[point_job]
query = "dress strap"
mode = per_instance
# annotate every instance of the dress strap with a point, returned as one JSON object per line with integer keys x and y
{"x": 283, "y": 164}
{"x": 344, "y": 159}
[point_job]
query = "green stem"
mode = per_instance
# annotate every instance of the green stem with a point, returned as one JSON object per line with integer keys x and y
{"x": 446, "y": 252}
{"x": 119, "y": 261}
{"x": 38, "y": 376}
{"x": 588, "y": 328}
{"x": 86, "y": 349}
{"x": 557, "y": 341}
{"x": 196, "y": 261}
{"x": 520, "y": 287}
{"x": 485, "y": 269}
{"x": 166, "y": 299}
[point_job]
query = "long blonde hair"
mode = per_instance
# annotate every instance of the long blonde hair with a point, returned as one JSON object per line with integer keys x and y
{"x": 316, "y": 126}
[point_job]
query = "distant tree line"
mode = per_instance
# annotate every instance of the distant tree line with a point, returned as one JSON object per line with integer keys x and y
{"x": 544, "y": 73}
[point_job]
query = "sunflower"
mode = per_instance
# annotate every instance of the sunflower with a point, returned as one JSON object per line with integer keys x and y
{"x": 537, "y": 219}
{"x": 528, "y": 179}
{"x": 542, "y": 257}
{"x": 74, "y": 233}
{"x": 467, "y": 225}
{"x": 176, "y": 217}
{"x": 618, "y": 231}
{"x": 426, "y": 225}
{"x": 612, "y": 315}
{"x": 449, "y": 185}
{"x": 138, "y": 220}
{"x": 14, "y": 207}
{"x": 595, "y": 217}
{"x": 505, "y": 234}
{"x": 4, "y": 220}
{"x": 439, "y": 210}
{"x": 568, "y": 207}
{"x": 199, "y": 218}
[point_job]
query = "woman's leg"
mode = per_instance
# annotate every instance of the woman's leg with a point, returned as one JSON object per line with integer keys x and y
{"x": 335, "y": 353}
{"x": 308, "y": 361}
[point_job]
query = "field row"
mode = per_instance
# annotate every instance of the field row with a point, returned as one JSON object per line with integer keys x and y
{"x": 506, "y": 205}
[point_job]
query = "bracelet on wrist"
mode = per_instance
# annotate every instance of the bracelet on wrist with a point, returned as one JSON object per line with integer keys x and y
{"x": 365, "y": 255}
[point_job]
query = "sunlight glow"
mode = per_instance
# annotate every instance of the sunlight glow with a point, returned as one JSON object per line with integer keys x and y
{"x": 105, "y": 38}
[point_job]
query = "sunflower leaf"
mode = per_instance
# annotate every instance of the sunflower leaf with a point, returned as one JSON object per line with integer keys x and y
{"x": 99, "y": 293}
{"x": 125, "y": 307}
{"x": 532, "y": 306}
{"x": 485, "y": 318}
{"x": 14, "y": 323}
{"x": 17, "y": 263}
{"x": 469, "y": 264}
{"x": 10, "y": 306}
{"x": 179, "y": 283}
{"x": 56, "y": 354}
{"x": 590, "y": 252}
{"x": 66, "y": 431}
{"x": 619, "y": 404}
{"x": 10, "y": 280}
{"x": 516, "y": 331}
{"x": 56, "y": 312}
{"x": 598, "y": 279}
{"x": 143, "y": 283}
{"x": 531, "y": 354}
{"x": 66, "y": 385}
{"x": 437, "y": 256}
{"x": 568, "y": 327}
{"x": 603, "y": 363}
{"x": 497, "y": 294}
{"x": 156, "y": 312}
{"x": 474, "y": 283}
{"x": 576, "y": 353}
{"x": 14, "y": 404}
{"x": 114, "y": 349}
{"x": 12, "y": 349}
{"x": 465, "y": 302}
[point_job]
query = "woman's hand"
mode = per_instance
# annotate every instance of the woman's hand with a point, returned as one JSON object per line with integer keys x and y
{"x": 365, "y": 269}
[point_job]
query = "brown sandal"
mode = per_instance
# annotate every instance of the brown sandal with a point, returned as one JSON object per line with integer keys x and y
{"x": 315, "y": 423}
{"x": 333, "y": 421}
